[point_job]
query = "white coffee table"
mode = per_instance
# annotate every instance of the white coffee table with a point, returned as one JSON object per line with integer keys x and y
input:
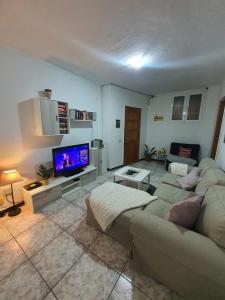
{"x": 137, "y": 177}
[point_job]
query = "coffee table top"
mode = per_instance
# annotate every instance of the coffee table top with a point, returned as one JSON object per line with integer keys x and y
{"x": 137, "y": 177}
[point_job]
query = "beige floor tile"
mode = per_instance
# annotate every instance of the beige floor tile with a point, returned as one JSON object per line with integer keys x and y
{"x": 23, "y": 283}
{"x": 124, "y": 290}
{"x": 36, "y": 237}
{"x": 150, "y": 287}
{"x": 68, "y": 215}
{"x": 77, "y": 194}
{"x": 111, "y": 252}
{"x": 11, "y": 257}
{"x": 50, "y": 296}
{"x": 57, "y": 257}
{"x": 84, "y": 233}
{"x": 88, "y": 279}
{"x": 80, "y": 202}
{"x": 54, "y": 206}
{"x": 22, "y": 221}
{"x": 4, "y": 234}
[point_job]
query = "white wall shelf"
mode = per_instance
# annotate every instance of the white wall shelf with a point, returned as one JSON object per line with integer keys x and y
{"x": 82, "y": 116}
{"x": 51, "y": 117}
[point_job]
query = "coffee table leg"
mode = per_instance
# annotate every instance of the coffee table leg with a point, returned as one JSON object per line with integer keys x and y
{"x": 149, "y": 179}
{"x": 139, "y": 185}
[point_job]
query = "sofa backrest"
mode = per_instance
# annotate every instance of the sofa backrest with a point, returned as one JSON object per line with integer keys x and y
{"x": 211, "y": 221}
{"x": 174, "y": 149}
{"x": 207, "y": 163}
{"x": 210, "y": 178}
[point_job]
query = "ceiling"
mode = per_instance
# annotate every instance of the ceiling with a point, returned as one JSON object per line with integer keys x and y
{"x": 184, "y": 39}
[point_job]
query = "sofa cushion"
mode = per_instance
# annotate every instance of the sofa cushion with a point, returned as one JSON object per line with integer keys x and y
{"x": 184, "y": 152}
{"x": 182, "y": 160}
{"x": 125, "y": 218}
{"x": 185, "y": 213}
{"x": 171, "y": 194}
{"x": 158, "y": 208}
{"x": 210, "y": 178}
{"x": 211, "y": 221}
{"x": 207, "y": 163}
{"x": 190, "y": 180}
{"x": 170, "y": 179}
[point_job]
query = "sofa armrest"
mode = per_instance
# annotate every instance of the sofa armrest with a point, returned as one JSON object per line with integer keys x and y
{"x": 186, "y": 247}
{"x": 171, "y": 193}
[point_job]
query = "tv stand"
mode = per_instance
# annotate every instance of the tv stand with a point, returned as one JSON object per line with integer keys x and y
{"x": 59, "y": 186}
{"x": 73, "y": 172}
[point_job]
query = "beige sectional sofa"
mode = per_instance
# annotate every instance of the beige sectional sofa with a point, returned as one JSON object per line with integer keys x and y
{"x": 191, "y": 262}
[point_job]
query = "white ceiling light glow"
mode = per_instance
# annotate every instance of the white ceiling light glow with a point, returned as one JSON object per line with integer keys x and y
{"x": 138, "y": 61}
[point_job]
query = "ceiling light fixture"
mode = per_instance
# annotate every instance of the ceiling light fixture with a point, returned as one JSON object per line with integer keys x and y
{"x": 137, "y": 61}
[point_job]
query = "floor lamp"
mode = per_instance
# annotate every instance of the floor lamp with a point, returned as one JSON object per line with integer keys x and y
{"x": 8, "y": 178}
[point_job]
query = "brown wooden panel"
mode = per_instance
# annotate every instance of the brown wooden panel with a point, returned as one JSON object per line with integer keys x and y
{"x": 217, "y": 128}
{"x": 132, "y": 134}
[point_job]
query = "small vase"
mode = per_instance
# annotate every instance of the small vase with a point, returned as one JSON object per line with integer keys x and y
{"x": 44, "y": 181}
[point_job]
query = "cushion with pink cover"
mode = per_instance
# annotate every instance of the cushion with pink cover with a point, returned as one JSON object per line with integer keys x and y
{"x": 186, "y": 212}
{"x": 190, "y": 180}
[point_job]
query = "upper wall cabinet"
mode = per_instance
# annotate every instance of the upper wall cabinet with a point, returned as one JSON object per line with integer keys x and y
{"x": 187, "y": 106}
{"x": 51, "y": 117}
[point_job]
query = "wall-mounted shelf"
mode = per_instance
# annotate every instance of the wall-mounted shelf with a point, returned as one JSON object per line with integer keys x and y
{"x": 51, "y": 117}
{"x": 74, "y": 120}
{"x": 82, "y": 116}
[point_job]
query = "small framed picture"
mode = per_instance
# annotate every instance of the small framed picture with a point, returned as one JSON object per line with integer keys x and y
{"x": 117, "y": 123}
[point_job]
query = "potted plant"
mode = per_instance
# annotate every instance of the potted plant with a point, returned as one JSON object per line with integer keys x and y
{"x": 148, "y": 153}
{"x": 44, "y": 173}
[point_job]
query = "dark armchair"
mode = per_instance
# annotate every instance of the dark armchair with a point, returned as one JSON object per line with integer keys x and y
{"x": 174, "y": 157}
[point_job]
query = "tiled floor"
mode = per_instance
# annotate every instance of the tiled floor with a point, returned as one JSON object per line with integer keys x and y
{"x": 55, "y": 255}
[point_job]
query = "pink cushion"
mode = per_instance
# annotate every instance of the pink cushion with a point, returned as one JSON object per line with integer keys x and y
{"x": 184, "y": 152}
{"x": 185, "y": 213}
{"x": 190, "y": 180}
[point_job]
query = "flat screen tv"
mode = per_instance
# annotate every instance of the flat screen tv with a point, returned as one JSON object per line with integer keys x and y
{"x": 70, "y": 160}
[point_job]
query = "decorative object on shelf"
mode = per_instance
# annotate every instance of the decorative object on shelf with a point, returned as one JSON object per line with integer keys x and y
{"x": 161, "y": 154}
{"x": 78, "y": 115}
{"x": 63, "y": 117}
{"x": 158, "y": 117}
{"x": 148, "y": 153}
{"x": 8, "y": 178}
{"x": 32, "y": 185}
{"x": 97, "y": 143}
{"x": 47, "y": 93}
{"x": 44, "y": 173}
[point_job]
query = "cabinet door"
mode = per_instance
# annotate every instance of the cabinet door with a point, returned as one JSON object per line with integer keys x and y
{"x": 49, "y": 117}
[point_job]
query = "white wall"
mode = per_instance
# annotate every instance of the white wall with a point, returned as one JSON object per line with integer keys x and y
{"x": 21, "y": 77}
{"x": 220, "y": 154}
{"x": 162, "y": 133}
{"x": 114, "y": 101}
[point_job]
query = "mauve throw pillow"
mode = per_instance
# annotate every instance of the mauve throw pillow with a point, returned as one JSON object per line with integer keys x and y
{"x": 184, "y": 152}
{"x": 190, "y": 180}
{"x": 185, "y": 213}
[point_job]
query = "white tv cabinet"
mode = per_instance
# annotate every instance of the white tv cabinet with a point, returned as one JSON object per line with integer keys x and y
{"x": 37, "y": 198}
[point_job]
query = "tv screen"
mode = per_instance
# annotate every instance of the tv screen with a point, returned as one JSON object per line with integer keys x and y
{"x": 70, "y": 158}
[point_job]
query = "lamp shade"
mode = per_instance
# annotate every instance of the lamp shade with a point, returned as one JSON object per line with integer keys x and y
{"x": 9, "y": 177}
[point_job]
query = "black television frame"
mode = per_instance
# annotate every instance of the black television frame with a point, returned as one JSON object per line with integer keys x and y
{"x": 69, "y": 172}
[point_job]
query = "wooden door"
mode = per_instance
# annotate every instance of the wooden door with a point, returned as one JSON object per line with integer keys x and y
{"x": 132, "y": 134}
{"x": 217, "y": 128}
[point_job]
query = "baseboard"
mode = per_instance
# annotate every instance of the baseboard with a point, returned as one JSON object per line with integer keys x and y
{"x": 112, "y": 169}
